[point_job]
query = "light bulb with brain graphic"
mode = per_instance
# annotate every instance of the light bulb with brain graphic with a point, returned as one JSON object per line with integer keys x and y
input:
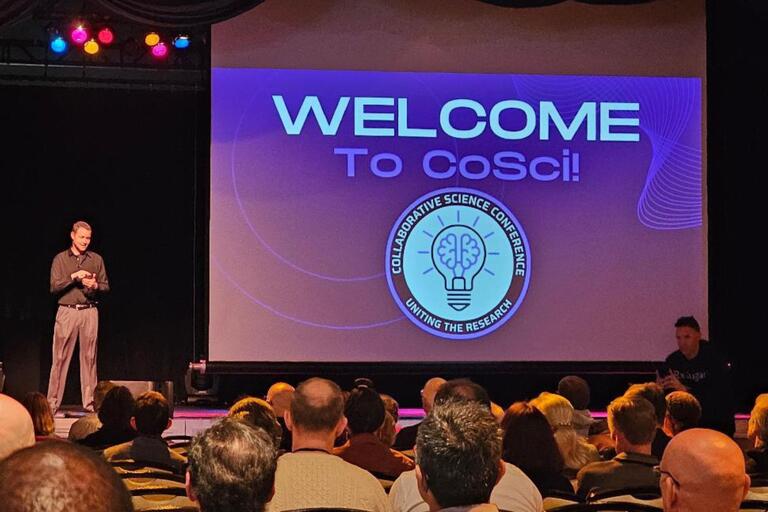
{"x": 458, "y": 254}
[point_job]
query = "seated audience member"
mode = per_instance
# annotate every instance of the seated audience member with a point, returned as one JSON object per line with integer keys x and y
{"x": 90, "y": 423}
{"x": 42, "y": 418}
{"x": 279, "y": 396}
{"x": 115, "y": 416}
{"x": 576, "y": 451}
{"x": 699, "y": 368}
{"x": 702, "y": 471}
{"x": 515, "y": 491}
{"x": 655, "y": 395}
{"x": 530, "y": 445}
{"x": 232, "y": 468}
{"x": 16, "y": 429}
{"x": 311, "y": 476}
{"x": 260, "y": 414}
{"x": 406, "y": 438}
{"x": 388, "y": 430}
{"x": 683, "y": 412}
{"x": 55, "y": 476}
{"x": 632, "y": 422}
{"x": 757, "y": 432}
{"x": 365, "y": 414}
{"x": 151, "y": 417}
{"x": 576, "y": 390}
{"x": 459, "y": 452}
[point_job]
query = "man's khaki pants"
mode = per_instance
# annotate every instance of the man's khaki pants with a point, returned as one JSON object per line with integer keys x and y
{"x": 71, "y": 323}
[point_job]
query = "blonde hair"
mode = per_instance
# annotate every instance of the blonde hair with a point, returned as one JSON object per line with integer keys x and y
{"x": 576, "y": 451}
{"x": 757, "y": 428}
{"x": 81, "y": 224}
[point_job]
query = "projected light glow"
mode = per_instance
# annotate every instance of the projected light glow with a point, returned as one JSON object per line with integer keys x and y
{"x": 58, "y": 44}
{"x": 79, "y": 35}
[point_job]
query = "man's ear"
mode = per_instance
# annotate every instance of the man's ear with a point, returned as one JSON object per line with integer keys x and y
{"x": 421, "y": 482}
{"x": 340, "y": 426}
{"x": 288, "y": 420}
{"x": 668, "y": 494}
{"x": 188, "y": 486}
{"x": 747, "y": 485}
{"x": 133, "y": 423}
{"x": 502, "y": 470}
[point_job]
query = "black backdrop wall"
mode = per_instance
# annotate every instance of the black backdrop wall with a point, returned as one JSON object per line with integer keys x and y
{"x": 135, "y": 164}
{"x": 128, "y": 162}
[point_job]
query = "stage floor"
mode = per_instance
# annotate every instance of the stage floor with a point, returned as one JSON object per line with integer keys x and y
{"x": 188, "y": 420}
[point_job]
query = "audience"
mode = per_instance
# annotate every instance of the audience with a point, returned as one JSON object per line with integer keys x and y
{"x": 515, "y": 491}
{"x": 530, "y": 445}
{"x": 90, "y": 423}
{"x": 55, "y": 476}
{"x": 703, "y": 471}
{"x": 232, "y": 468}
{"x": 388, "y": 430}
{"x": 115, "y": 416}
{"x": 365, "y": 414}
{"x": 406, "y": 438}
{"x": 683, "y": 412}
{"x": 16, "y": 429}
{"x": 311, "y": 476}
{"x": 459, "y": 452}
{"x": 279, "y": 396}
{"x": 632, "y": 422}
{"x": 465, "y": 462}
{"x": 757, "y": 432}
{"x": 654, "y": 393}
{"x": 576, "y": 451}
{"x": 576, "y": 390}
{"x": 260, "y": 414}
{"x": 151, "y": 417}
{"x": 39, "y": 409}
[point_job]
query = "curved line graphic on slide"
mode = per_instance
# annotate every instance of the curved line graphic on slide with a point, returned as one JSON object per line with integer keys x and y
{"x": 296, "y": 319}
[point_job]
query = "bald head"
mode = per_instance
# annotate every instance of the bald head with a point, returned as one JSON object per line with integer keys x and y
{"x": 57, "y": 476}
{"x": 317, "y": 406}
{"x": 279, "y": 396}
{"x": 703, "y": 470}
{"x": 16, "y": 430}
{"x": 429, "y": 392}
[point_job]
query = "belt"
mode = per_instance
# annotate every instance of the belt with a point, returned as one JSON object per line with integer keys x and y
{"x": 79, "y": 306}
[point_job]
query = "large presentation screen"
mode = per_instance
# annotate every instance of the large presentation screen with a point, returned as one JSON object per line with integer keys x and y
{"x": 370, "y": 207}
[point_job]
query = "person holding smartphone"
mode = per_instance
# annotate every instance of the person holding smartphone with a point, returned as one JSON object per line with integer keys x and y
{"x": 78, "y": 276}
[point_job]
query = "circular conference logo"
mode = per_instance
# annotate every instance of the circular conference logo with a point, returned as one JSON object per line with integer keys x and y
{"x": 458, "y": 263}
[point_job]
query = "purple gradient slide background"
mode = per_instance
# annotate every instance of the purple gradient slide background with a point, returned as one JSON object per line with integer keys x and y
{"x": 297, "y": 247}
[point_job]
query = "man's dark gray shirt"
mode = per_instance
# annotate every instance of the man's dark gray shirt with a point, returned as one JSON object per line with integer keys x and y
{"x": 72, "y": 291}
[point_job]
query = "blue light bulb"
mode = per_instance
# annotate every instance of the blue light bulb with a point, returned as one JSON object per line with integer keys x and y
{"x": 181, "y": 42}
{"x": 58, "y": 45}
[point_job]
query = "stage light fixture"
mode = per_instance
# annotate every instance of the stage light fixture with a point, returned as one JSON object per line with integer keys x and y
{"x": 91, "y": 47}
{"x": 58, "y": 44}
{"x": 181, "y": 42}
{"x": 160, "y": 50}
{"x": 152, "y": 39}
{"x": 106, "y": 36}
{"x": 79, "y": 35}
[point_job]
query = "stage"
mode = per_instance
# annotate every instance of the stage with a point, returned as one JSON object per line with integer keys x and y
{"x": 189, "y": 421}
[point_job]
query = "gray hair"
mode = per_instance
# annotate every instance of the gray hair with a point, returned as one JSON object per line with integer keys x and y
{"x": 458, "y": 449}
{"x": 232, "y": 467}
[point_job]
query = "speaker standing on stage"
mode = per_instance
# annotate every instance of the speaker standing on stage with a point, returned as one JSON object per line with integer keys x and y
{"x": 78, "y": 276}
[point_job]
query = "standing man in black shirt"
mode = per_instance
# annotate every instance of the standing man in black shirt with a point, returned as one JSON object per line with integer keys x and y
{"x": 702, "y": 371}
{"x": 77, "y": 277}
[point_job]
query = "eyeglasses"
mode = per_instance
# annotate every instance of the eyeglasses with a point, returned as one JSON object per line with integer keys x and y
{"x": 659, "y": 472}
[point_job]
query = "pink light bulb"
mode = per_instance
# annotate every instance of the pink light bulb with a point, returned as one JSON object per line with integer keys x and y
{"x": 79, "y": 35}
{"x": 160, "y": 50}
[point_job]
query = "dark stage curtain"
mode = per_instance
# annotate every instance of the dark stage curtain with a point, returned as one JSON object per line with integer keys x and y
{"x": 178, "y": 13}
{"x": 13, "y": 11}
